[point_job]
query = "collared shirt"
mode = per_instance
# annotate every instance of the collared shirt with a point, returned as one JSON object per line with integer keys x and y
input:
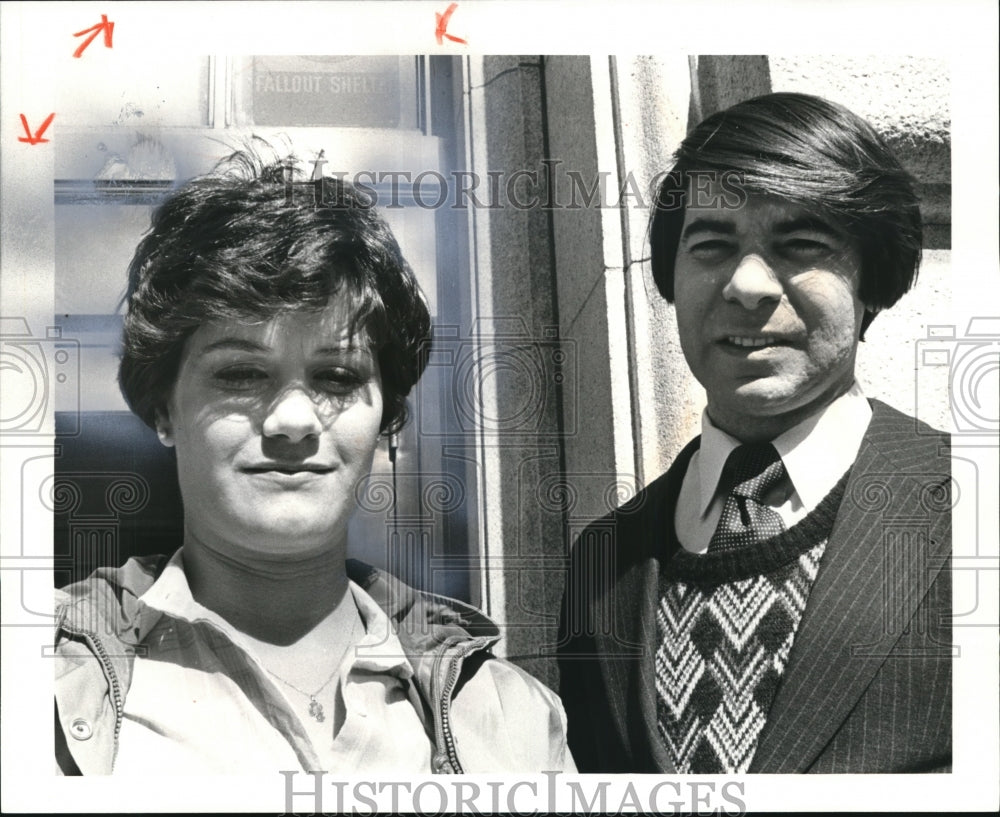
{"x": 816, "y": 454}
{"x": 200, "y": 702}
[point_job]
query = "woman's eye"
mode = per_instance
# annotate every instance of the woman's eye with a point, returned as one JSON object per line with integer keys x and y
{"x": 338, "y": 380}
{"x": 240, "y": 377}
{"x": 806, "y": 247}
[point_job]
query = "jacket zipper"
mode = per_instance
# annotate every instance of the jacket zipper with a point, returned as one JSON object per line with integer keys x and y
{"x": 113, "y": 682}
{"x": 446, "y": 736}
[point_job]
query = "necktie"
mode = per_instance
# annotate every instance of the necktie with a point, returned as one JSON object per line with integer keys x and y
{"x": 750, "y": 472}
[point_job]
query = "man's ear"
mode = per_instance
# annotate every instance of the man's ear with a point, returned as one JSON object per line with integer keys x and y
{"x": 866, "y": 320}
{"x": 164, "y": 429}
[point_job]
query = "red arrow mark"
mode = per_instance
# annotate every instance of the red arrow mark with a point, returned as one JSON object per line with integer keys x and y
{"x": 442, "y": 25}
{"x": 36, "y": 137}
{"x": 104, "y": 26}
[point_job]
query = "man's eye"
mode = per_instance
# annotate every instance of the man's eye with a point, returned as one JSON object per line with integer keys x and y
{"x": 711, "y": 249}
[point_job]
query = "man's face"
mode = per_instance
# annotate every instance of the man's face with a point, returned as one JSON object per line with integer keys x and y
{"x": 768, "y": 312}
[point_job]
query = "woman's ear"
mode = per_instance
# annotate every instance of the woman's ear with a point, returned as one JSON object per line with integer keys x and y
{"x": 164, "y": 429}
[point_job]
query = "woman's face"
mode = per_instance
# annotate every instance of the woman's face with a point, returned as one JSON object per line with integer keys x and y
{"x": 274, "y": 424}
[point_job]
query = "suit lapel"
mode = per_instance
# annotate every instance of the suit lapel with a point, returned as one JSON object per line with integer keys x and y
{"x": 627, "y": 657}
{"x": 883, "y": 551}
{"x": 629, "y": 651}
{"x": 645, "y": 727}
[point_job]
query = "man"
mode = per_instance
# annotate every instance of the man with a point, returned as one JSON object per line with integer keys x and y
{"x": 778, "y": 601}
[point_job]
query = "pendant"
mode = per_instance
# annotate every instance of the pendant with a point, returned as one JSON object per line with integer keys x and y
{"x": 316, "y": 710}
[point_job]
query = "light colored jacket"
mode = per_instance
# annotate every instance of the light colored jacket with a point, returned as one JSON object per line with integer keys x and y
{"x": 488, "y": 715}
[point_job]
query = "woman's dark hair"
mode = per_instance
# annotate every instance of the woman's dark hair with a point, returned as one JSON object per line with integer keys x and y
{"x": 247, "y": 242}
{"x": 814, "y": 153}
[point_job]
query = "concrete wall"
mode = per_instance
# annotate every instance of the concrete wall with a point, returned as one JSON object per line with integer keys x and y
{"x": 520, "y": 378}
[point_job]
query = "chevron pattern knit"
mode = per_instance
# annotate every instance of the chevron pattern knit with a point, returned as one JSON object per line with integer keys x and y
{"x": 726, "y": 624}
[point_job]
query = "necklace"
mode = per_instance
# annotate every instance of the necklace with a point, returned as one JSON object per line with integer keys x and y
{"x": 315, "y": 707}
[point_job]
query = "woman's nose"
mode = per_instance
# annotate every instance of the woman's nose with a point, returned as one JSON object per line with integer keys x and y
{"x": 293, "y": 415}
{"x": 752, "y": 283}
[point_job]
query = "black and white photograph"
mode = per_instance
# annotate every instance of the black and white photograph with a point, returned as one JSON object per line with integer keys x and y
{"x": 393, "y": 420}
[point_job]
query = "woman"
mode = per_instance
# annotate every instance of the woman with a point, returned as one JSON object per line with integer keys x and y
{"x": 270, "y": 338}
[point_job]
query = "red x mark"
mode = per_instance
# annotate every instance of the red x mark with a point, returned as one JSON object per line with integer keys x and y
{"x": 104, "y": 26}
{"x": 442, "y": 25}
{"x": 36, "y": 137}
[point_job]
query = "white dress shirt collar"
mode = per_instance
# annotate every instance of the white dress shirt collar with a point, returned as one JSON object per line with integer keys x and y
{"x": 816, "y": 452}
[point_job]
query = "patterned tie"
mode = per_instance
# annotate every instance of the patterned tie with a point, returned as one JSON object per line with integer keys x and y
{"x": 750, "y": 472}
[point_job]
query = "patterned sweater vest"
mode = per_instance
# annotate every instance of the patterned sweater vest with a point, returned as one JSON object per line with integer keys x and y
{"x": 726, "y": 623}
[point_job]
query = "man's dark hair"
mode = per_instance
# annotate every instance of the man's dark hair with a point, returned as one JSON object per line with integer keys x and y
{"x": 816, "y": 154}
{"x": 243, "y": 242}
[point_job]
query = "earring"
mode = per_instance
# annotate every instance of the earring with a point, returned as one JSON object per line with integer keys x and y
{"x": 165, "y": 432}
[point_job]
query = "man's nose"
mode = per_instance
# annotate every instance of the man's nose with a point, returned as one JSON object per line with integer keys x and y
{"x": 753, "y": 282}
{"x": 293, "y": 415}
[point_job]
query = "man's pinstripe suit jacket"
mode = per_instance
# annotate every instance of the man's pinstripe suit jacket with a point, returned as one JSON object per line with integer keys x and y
{"x": 868, "y": 684}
